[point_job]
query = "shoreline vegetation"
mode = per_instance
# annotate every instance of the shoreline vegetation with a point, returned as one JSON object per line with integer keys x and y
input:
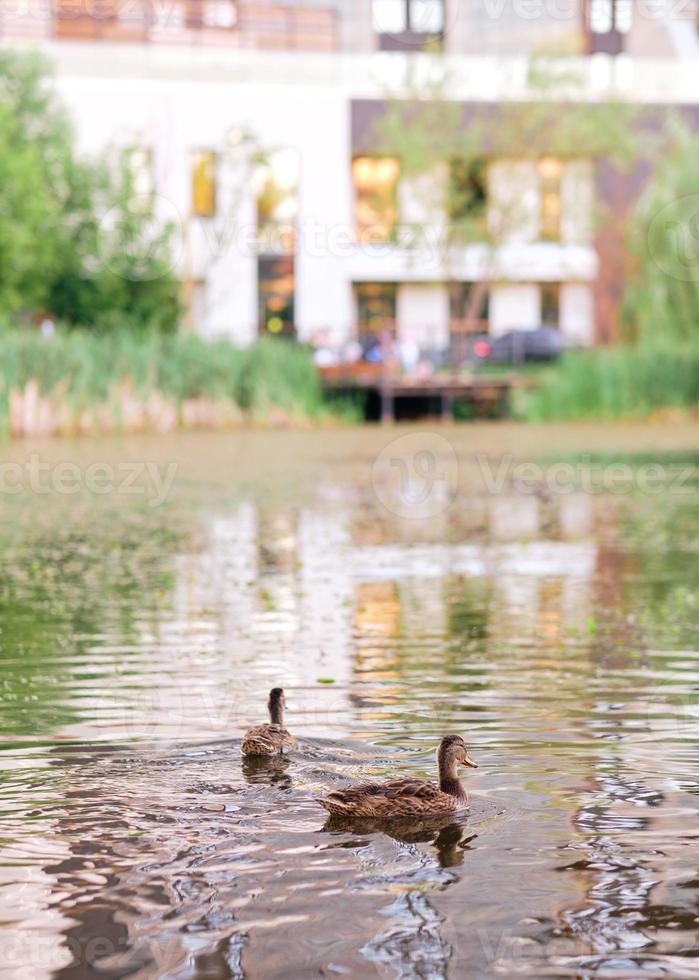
{"x": 84, "y": 383}
{"x": 625, "y": 382}
{"x": 119, "y": 362}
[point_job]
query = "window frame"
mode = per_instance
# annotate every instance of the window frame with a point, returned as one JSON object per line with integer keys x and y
{"x": 410, "y": 37}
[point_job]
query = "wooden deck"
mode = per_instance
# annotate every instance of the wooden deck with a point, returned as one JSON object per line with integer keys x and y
{"x": 487, "y": 394}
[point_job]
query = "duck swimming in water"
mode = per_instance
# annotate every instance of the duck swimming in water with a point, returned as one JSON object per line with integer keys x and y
{"x": 273, "y": 738}
{"x": 408, "y": 797}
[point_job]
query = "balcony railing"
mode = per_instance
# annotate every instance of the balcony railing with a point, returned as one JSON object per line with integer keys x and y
{"x": 234, "y": 23}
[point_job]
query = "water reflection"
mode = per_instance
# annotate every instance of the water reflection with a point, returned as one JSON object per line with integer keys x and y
{"x": 557, "y": 633}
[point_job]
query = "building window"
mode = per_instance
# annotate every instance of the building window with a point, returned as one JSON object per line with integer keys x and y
{"x": 277, "y": 202}
{"x": 408, "y": 23}
{"x": 376, "y": 308}
{"x": 468, "y": 189}
{"x": 137, "y": 162}
{"x": 550, "y": 174}
{"x": 550, "y": 303}
{"x": 376, "y": 197}
{"x": 204, "y": 183}
{"x": 610, "y": 15}
{"x": 275, "y": 278}
{"x": 220, "y": 13}
{"x": 460, "y": 296}
{"x": 608, "y": 22}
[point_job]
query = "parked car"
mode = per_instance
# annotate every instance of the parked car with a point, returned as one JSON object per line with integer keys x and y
{"x": 516, "y": 346}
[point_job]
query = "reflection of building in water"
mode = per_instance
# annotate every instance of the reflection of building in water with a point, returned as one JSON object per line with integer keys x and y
{"x": 325, "y": 605}
{"x": 286, "y": 596}
{"x": 517, "y": 570}
{"x": 377, "y": 626}
{"x": 514, "y": 517}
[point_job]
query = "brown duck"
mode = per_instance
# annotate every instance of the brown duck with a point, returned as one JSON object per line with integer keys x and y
{"x": 408, "y": 797}
{"x": 273, "y": 738}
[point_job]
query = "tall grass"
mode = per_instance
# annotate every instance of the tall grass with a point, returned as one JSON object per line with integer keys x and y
{"x": 616, "y": 383}
{"x": 82, "y": 368}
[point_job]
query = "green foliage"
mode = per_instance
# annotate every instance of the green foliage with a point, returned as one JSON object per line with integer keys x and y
{"x": 661, "y": 303}
{"x": 57, "y": 253}
{"x": 82, "y": 367}
{"x": 615, "y": 383}
{"x": 429, "y": 133}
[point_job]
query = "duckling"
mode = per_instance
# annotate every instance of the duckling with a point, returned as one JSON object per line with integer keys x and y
{"x": 273, "y": 738}
{"x": 408, "y": 797}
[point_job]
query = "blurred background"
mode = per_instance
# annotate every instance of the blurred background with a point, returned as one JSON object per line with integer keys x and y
{"x": 410, "y": 193}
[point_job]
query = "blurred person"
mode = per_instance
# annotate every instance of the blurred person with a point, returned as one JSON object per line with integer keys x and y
{"x": 408, "y": 353}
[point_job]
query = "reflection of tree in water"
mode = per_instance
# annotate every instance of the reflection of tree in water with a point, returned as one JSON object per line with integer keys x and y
{"x": 468, "y": 610}
{"x": 666, "y": 590}
{"x": 61, "y": 588}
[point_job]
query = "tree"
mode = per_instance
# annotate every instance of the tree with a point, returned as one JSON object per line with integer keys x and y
{"x": 661, "y": 303}
{"x": 56, "y": 253}
{"x": 433, "y": 135}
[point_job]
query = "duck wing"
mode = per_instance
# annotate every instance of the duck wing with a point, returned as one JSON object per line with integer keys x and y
{"x": 392, "y": 798}
{"x": 267, "y": 740}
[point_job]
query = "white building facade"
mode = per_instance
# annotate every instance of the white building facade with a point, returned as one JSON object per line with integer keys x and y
{"x": 252, "y": 155}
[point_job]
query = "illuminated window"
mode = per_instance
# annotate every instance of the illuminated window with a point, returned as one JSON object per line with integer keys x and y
{"x": 376, "y": 187}
{"x": 277, "y": 202}
{"x": 376, "y": 307}
{"x": 550, "y": 173}
{"x": 204, "y": 184}
{"x": 275, "y": 277}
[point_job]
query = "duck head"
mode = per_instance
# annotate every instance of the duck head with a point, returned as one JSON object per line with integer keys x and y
{"x": 276, "y": 706}
{"x": 451, "y": 754}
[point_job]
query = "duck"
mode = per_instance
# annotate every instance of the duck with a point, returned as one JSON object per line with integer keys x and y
{"x": 407, "y": 797}
{"x": 271, "y": 739}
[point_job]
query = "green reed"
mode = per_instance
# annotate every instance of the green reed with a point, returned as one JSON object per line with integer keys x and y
{"x": 82, "y": 368}
{"x": 615, "y": 383}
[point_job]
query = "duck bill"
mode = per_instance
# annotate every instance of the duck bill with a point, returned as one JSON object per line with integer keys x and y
{"x": 469, "y": 762}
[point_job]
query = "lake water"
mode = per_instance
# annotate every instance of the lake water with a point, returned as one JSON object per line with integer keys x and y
{"x": 535, "y": 590}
